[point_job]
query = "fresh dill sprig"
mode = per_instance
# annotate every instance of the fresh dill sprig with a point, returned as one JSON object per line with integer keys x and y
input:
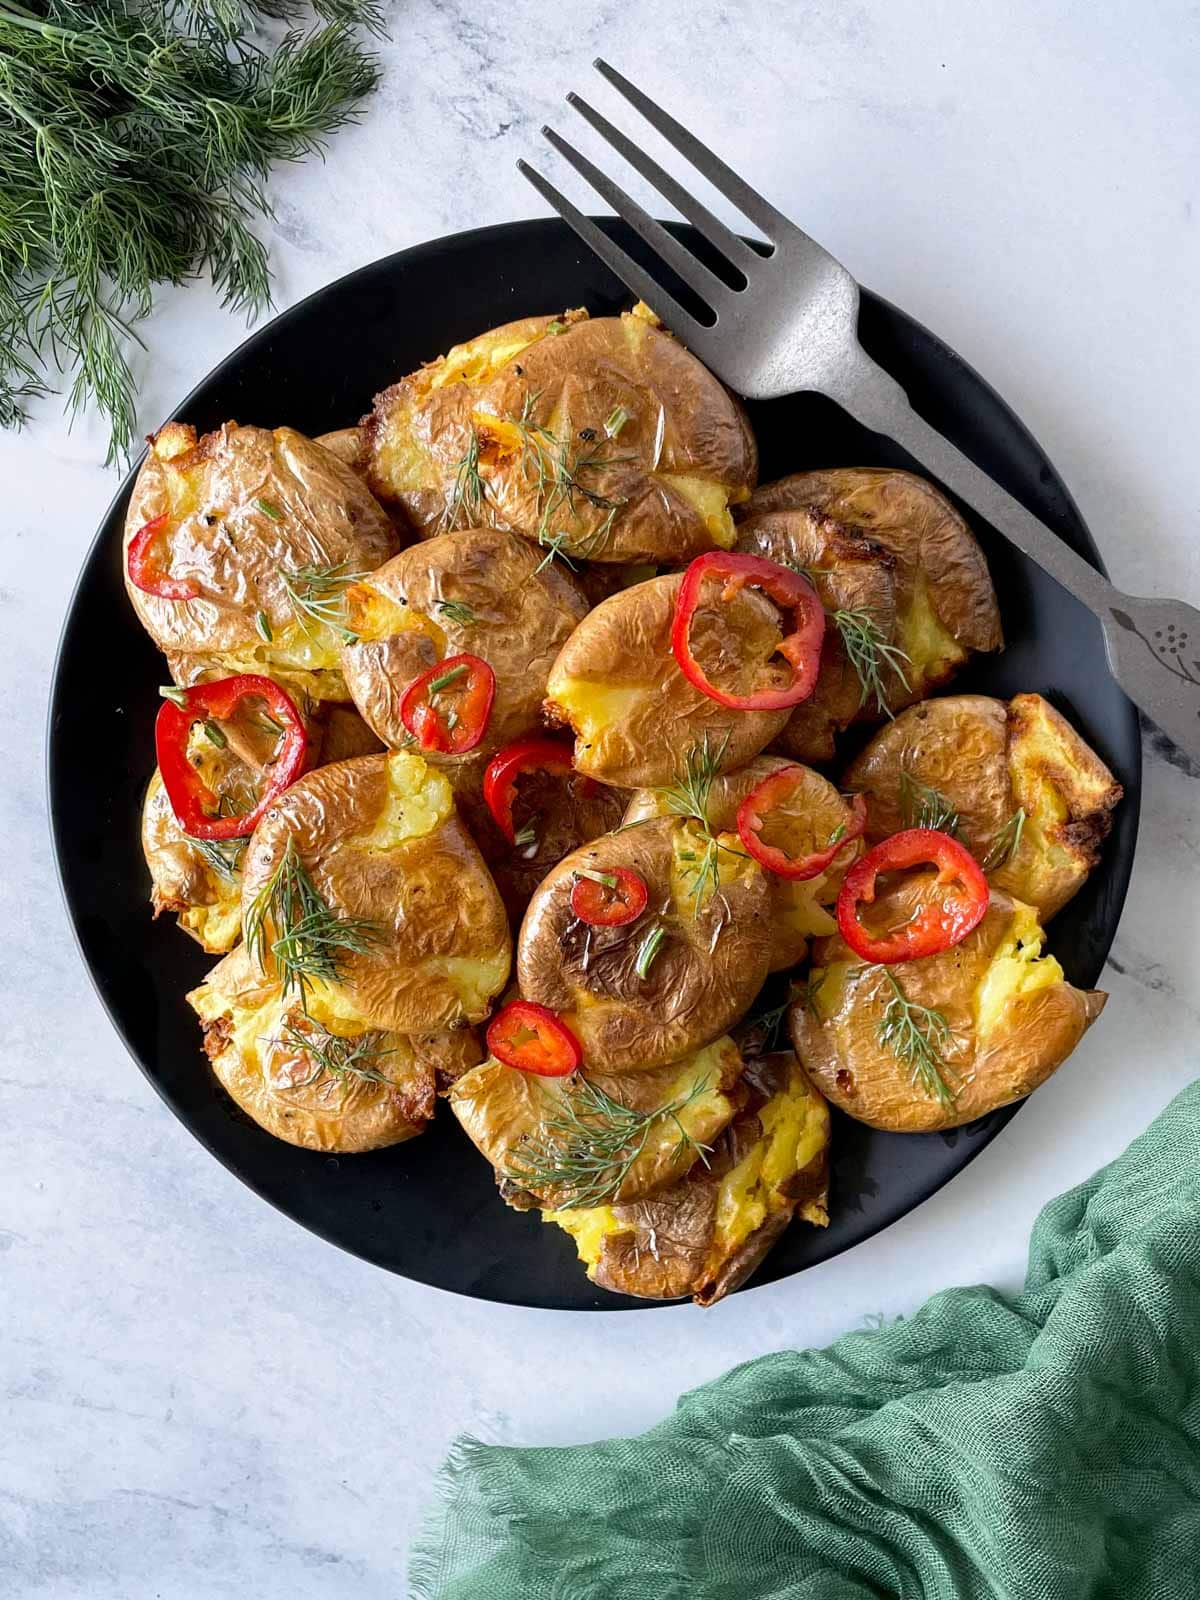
{"x": 805, "y": 992}
{"x": 556, "y": 466}
{"x": 468, "y": 497}
{"x": 767, "y": 1023}
{"x": 136, "y": 138}
{"x": 318, "y": 594}
{"x": 917, "y": 1036}
{"x": 688, "y": 797}
{"x": 871, "y": 656}
{"x": 306, "y": 936}
{"x": 340, "y": 1057}
{"x": 456, "y": 611}
{"x": 922, "y": 806}
{"x": 588, "y": 1148}
{"x": 224, "y": 856}
{"x": 649, "y": 949}
{"x": 1006, "y": 842}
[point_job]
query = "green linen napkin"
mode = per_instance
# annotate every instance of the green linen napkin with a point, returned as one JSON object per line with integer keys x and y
{"x": 1031, "y": 1447}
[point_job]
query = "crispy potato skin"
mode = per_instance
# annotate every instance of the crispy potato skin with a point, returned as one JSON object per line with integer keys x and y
{"x": 182, "y": 880}
{"x": 431, "y": 896}
{"x": 523, "y": 618}
{"x": 564, "y": 815}
{"x": 850, "y": 573}
{"x": 988, "y": 758}
{"x": 349, "y": 445}
{"x": 681, "y": 425}
{"x": 289, "y": 1094}
{"x": 708, "y": 970}
{"x": 939, "y": 578}
{"x": 668, "y": 1246}
{"x": 212, "y": 488}
{"x": 501, "y": 1108}
{"x": 840, "y": 1049}
{"x": 796, "y": 913}
{"x": 625, "y": 645}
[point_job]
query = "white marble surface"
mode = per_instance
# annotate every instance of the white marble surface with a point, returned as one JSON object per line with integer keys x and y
{"x": 200, "y": 1399}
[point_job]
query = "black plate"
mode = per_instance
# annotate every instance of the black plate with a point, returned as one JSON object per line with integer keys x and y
{"x": 428, "y": 1209}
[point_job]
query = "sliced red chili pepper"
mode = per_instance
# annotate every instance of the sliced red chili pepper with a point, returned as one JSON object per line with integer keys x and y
{"x": 769, "y": 800}
{"x": 515, "y": 761}
{"x": 609, "y": 898}
{"x": 447, "y": 708}
{"x": 790, "y": 591}
{"x": 192, "y": 801}
{"x": 534, "y": 1039}
{"x": 144, "y": 571}
{"x": 959, "y": 904}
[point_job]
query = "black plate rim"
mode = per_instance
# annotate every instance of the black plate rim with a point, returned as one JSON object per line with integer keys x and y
{"x": 1120, "y": 869}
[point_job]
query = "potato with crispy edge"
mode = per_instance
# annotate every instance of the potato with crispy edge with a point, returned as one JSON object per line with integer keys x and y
{"x": 482, "y": 591}
{"x": 634, "y": 715}
{"x": 707, "y": 969}
{"x": 381, "y": 841}
{"x": 798, "y": 907}
{"x": 1009, "y": 1019}
{"x": 522, "y": 1122}
{"x": 246, "y": 508}
{"x": 887, "y": 545}
{"x": 709, "y": 1232}
{"x": 312, "y": 1080}
{"x": 552, "y": 815}
{"x": 1033, "y": 801}
{"x": 604, "y": 437}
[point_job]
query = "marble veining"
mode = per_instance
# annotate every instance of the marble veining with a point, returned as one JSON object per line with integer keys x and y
{"x": 201, "y": 1400}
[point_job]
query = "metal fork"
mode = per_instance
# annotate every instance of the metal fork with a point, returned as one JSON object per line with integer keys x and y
{"x": 793, "y": 326}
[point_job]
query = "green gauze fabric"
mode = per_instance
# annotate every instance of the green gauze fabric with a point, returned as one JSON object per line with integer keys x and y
{"x": 1040, "y": 1447}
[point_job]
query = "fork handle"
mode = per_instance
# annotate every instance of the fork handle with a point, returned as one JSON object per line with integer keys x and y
{"x": 1140, "y": 641}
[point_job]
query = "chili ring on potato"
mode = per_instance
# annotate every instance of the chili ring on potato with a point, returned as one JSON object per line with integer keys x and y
{"x": 798, "y": 909}
{"x": 634, "y": 714}
{"x": 653, "y": 990}
{"x": 708, "y": 1232}
{"x": 365, "y": 895}
{"x": 238, "y": 548}
{"x": 905, "y": 586}
{"x": 582, "y": 1139}
{"x": 601, "y": 438}
{"x": 325, "y": 1085}
{"x": 1013, "y": 782}
{"x": 934, "y": 1043}
{"x": 482, "y": 593}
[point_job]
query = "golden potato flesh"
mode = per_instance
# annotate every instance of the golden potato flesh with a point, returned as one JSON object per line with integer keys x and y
{"x": 944, "y": 604}
{"x": 381, "y": 842}
{"x": 635, "y": 717}
{"x": 706, "y": 1234}
{"x": 201, "y": 882}
{"x": 540, "y": 1133}
{"x": 798, "y": 908}
{"x": 552, "y": 815}
{"x": 1014, "y": 782}
{"x": 320, "y": 1084}
{"x": 712, "y": 905}
{"x": 251, "y": 515}
{"x": 483, "y": 592}
{"x": 1004, "y": 1018}
{"x": 604, "y": 438}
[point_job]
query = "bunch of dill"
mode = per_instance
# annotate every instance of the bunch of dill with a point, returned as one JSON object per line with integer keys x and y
{"x": 135, "y": 141}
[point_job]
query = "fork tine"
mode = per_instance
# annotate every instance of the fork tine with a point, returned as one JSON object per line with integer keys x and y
{"x": 699, "y": 278}
{"x": 714, "y": 230}
{"x": 764, "y": 215}
{"x": 624, "y": 266}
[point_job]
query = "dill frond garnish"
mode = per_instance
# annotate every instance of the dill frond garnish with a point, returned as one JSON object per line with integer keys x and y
{"x": 136, "y": 138}
{"x": 306, "y": 935}
{"x": 468, "y": 497}
{"x": 340, "y": 1057}
{"x": 318, "y": 594}
{"x": 224, "y": 856}
{"x": 557, "y": 467}
{"x": 1006, "y": 842}
{"x": 456, "y": 611}
{"x": 589, "y": 1146}
{"x": 650, "y": 946}
{"x": 871, "y": 656}
{"x": 806, "y": 991}
{"x": 688, "y": 797}
{"x": 917, "y": 1035}
{"x": 922, "y": 806}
